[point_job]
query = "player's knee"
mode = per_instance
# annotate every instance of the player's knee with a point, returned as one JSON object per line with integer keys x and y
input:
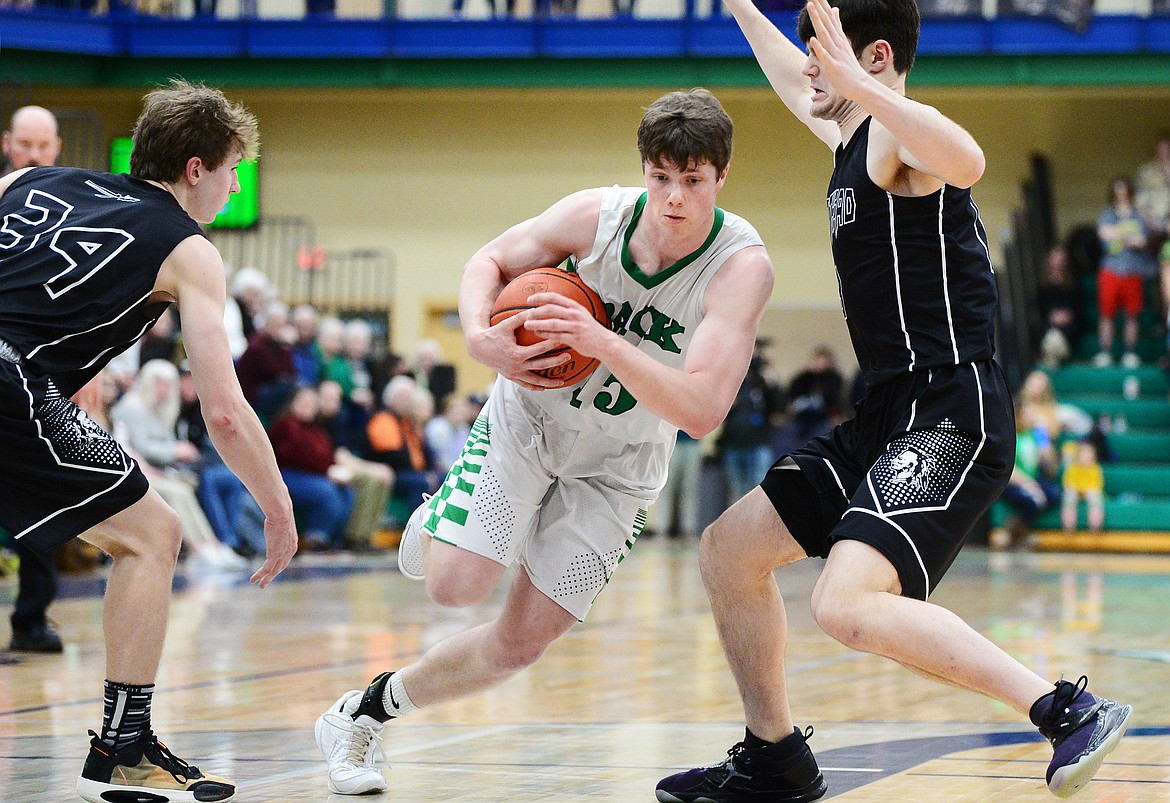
{"x": 453, "y": 590}
{"x": 838, "y": 616}
{"x": 519, "y": 650}
{"x": 160, "y": 542}
{"x": 716, "y": 554}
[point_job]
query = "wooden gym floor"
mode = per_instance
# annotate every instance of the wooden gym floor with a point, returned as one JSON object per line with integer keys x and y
{"x": 639, "y": 690}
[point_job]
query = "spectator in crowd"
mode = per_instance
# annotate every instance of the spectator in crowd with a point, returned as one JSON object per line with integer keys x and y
{"x": 346, "y": 424}
{"x": 1031, "y": 489}
{"x": 1164, "y": 270}
{"x": 317, "y": 483}
{"x": 815, "y": 394}
{"x": 1060, "y": 421}
{"x": 676, "y": 511}
{"x": 144, "y": 423}
{"x": 31, "y": 140}
{"x": 1153, "y": 188}
{"x": 1083, "y": 479}
{"x": 330, "y": 343}
{"x": 397, "y": 440}
{"x": 353, "y": 368}
{"x": 1126, "y": 262}
{"x": 161, "y": 341}
{"x": 390, "y": 365}
{"x": 266, "y": 371}
{"x": 251, "y": 291}
{"x": 345, "y": 421}
{"x": 306, "y": 352}
{"x": 745, "y": 442}
{"x": 447, "y": 433}
{"x": 1059, "y": 300}
{"x": 431, "y": 373}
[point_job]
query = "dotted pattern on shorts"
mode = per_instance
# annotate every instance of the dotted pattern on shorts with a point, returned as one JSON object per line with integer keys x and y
{"x": 586, "y": 573}
{"x": 921, "y": 468}
{"x": 77, "y": 439}
{"x": 495, "y": 511}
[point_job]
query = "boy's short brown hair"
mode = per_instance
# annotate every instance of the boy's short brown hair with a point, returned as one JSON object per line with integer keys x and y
{"x": 183, "y": 120}
{"x": 686, "y": 129}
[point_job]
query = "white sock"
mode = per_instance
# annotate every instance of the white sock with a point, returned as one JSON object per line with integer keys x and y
{"x": 395, "y": 699}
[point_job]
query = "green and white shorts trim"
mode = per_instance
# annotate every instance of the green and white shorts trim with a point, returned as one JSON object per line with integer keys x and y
{"x": 567, "y": 505}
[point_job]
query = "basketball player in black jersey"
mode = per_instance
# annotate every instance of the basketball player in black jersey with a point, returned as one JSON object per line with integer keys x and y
{"x": 888, "y": 497}
{"x": 88, "y": 262}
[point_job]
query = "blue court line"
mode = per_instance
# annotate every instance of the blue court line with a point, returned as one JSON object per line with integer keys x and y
{"x": 905, "y": 754}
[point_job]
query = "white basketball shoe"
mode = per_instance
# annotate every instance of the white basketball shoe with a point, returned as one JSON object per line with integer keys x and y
{"x": 349, "y": 746}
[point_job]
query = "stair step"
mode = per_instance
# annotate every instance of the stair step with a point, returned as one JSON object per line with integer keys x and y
{"x": 1150, "y": 348}
{"x": 1121, "y": 513}
{"x": 1147, "y": 480}
{"x": 1083, "y": 378}
{"x": 1146, "y": 542}
{"x": 1139, "y": 413}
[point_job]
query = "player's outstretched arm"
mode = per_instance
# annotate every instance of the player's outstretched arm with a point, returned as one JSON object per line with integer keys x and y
{"x": 909, "y": 133}
{"x": 567, "y": 227}
{"x": 193, "y": 276}
{"x": 783, "y": 64}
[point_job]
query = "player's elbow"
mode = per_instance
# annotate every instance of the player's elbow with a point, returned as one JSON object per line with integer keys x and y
{"x": 223, "y": 417}
{"x": 969, "y": 170}
{"x": 701, "y": 426}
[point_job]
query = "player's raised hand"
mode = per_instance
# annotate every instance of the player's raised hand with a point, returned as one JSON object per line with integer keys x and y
{"x": 833, "y": 50}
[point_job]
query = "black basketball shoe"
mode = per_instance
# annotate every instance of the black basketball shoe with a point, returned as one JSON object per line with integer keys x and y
{"x": 753, "y": 772}
{"x": 1083, "y": 729}
{"x": 146, "y": 772}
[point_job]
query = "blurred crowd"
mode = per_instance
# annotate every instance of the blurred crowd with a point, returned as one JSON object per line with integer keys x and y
{"x": 360, "y": 433}
{"x": 1127, "y": 251}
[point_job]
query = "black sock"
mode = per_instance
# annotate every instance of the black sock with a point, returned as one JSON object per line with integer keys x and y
{"x": 371, "y": 705}
{"x": 127, "y": 713}
{"x": 790, "y": 744}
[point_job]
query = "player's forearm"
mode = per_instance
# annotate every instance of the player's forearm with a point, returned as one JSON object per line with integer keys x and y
{"x": 244, "y": 446}
{"x": 478, "y": 288}
{"x": 685, "y": 400}
{"x": 941, "y": 146}
{"x": 778, "y": 57}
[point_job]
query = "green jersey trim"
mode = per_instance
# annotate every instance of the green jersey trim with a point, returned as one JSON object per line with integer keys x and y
{"x": 661, "y": 276}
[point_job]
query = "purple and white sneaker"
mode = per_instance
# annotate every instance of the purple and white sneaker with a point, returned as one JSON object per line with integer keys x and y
{"x": 1082, "y": 728}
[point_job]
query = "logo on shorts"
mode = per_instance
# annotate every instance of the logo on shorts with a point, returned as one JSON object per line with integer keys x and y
{"x": 914, "y": 468}
{"x": 922, "y": 469}
{"x": 86, "y": 429}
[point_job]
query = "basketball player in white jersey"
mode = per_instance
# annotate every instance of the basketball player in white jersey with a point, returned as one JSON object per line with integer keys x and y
{"x": 557, "y": 479}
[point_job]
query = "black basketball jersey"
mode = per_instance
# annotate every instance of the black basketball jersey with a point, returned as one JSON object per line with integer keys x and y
{"x": 917, "y": 286}
{"x": 80, "y": 253}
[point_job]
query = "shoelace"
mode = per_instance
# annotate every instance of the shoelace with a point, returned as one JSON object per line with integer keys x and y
{"x": 362, "y": 736}
{"x": 1065, "y": 694}
{"x": 161, "y": 756}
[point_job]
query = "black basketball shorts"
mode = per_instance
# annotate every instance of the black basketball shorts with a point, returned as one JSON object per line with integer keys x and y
{"x": 924, "y": 458}
{"x": 60, "y": 473}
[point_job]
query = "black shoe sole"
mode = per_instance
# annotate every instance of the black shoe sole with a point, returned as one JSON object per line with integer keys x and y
{"x": 795, "y": 796}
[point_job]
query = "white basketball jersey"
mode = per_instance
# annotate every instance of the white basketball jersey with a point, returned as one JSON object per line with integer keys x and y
{"x": 657, "y": 313}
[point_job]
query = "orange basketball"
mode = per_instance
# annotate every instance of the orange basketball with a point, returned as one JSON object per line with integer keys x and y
{"x": 514, "y": 298}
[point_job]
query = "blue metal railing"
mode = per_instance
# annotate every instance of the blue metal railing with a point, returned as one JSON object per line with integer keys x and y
{"x": 692, "y": 34}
